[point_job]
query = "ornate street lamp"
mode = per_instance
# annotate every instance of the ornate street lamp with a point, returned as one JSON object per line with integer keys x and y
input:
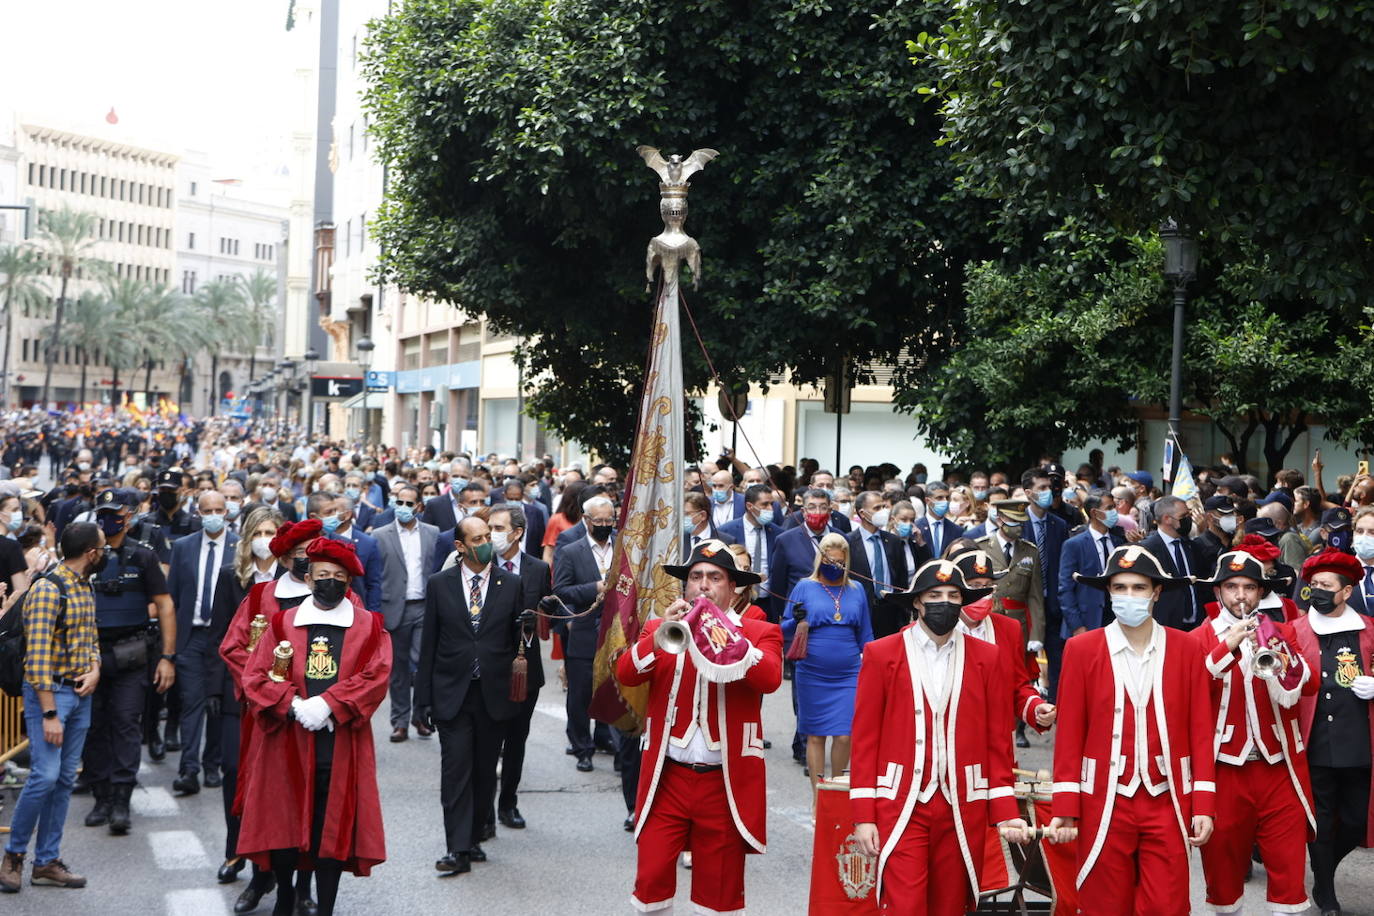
{"x": 365, "y": 348}
{"x": 1180, "y": 267}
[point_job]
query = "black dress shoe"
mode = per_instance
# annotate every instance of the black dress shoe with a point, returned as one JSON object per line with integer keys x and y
{"x": 186, "y": 784}
{"x": 213, "y": 779}
{"x": 477, "y": 854}
{"x": 157, "y": 750}
{"x": 488, "y": 833}
{"x": 229, "y": 871}
{"x": 173, "y": 743}
{"x": 629, "y": 824}
{"x": 584, "y": 765}
{"x": 1021, "y": 740}
{"x": 767, "y": 744}
{"x": 306, "y": 906}
{"x": 264, "y": 883}
{"x": 511, "y": 818}
{"x": 570, "y": 751}
{"x": 1335, "y": 912}
{"x": 455, "y": 863}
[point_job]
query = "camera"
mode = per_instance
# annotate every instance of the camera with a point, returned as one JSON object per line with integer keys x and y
{"x": 108, "y": 586}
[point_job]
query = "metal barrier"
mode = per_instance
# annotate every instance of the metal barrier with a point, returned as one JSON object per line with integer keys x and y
{"x": 12, "y": 740}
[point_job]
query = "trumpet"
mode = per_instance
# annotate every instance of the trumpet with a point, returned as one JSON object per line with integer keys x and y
{"x": 1266, "y": 664}
{"x": 673, "y": 636}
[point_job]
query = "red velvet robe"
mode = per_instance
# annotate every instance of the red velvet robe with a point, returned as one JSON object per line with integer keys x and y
{"x": 1307, "y": 706}
{"x": 891, "y": 713}
{"x": 735, "y": 720}
{"x": 1022, "y": 671}
{"x": 280, "y": 774}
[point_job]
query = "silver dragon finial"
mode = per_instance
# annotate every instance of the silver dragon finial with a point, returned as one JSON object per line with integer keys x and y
{"x": 672, "y": 246}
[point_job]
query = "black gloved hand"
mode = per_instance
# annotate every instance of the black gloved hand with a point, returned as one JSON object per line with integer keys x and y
{"x": 526, "y": 620}
{"x": 421, "y": 717}
{"x": 214, "y": 706}
{"x": 798, "y": 612}
{"x": 552, "y": 604}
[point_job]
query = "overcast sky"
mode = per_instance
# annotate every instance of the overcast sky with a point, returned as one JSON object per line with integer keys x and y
{"x": 180, "y": 74}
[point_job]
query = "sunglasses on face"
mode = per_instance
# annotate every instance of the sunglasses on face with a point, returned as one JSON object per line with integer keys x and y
{"x": 407, "y": 502}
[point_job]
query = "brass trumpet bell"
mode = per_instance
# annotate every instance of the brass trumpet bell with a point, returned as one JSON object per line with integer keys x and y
{"x": 672, "y": 637}
{"x": 1266, "y": 664}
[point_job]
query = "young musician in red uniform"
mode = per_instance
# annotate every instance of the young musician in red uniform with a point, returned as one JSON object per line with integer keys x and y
{"x": 1133, "y": 760}
{"x": 701, "y": 777}
{"x": 1263, "y": 792}
{"x": 977, "y": 619}
{"x": 1338, "y": 720}
{"x": 311, "y": 794}
{"x": 931, "y": 769}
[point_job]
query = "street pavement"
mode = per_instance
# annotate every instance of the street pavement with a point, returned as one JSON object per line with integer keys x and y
{"x": 573, "y": 859}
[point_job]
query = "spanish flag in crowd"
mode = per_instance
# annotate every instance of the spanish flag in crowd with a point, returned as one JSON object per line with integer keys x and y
{"x": 134, "y": 411}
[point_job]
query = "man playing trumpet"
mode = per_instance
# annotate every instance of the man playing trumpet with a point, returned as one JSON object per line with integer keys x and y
{"x": 1264, "y": 794}
{"x": 701, "y": 776}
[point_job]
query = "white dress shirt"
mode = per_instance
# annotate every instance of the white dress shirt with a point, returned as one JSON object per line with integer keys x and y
{"x": 723, "y": 512}
{"x": 512, "y": 565}
{"x": 1137, "y": 671}
{"x": 483, "y": 578}
{"x": 413, "y": 549}
{"x": 601, "y": 553}
{"x": 756, "y": 542}
{"x": 937, "y": 674}
{"x": 200, "y": 616}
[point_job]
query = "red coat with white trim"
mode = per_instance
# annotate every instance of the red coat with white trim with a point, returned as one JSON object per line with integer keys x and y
{"x": 1280, "y": 728}
{"x": 677, "y": 693}
{"x": 1021, "y": 667}
{"x": 890, "y": 728}
{"x": 1307, "y": 706}
{"x": 1088, "y": 746}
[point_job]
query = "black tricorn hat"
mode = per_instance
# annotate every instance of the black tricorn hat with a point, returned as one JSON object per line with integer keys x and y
{"x": 717, "y": 553}
{"x": 976, "y": 564}
{"x": 935, "y": 574}
{"x": 1240, "y": 565}
{"x": 1134, "y": 559}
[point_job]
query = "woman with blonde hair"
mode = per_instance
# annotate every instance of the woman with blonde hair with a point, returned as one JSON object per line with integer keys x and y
{"x": 828, "y": 622}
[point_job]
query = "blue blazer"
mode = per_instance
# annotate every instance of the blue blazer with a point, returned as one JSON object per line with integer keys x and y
{"x": 536, "y": 521}
{"x": 949, "y": 533}
{"x": 1056, "y": 533}
{"x": 838, "y": 522}
{"x": 575, "y": 580}
{"x": 369, "y": 584}
{"x": 736, "y": 532}
{"x": 182, "y": 577}
{"x": 792, "y": 558}
{"x": 1082, "y": 605}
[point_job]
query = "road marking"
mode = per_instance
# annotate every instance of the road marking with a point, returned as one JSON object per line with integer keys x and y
{"x": 154, "y": 801}
{"x": 178, "y": 850}
{"x": 203, "y": 902}
{"x": 553, "y": 710}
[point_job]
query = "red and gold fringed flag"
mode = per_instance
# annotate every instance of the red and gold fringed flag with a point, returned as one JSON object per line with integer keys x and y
{"x": 649, "y": 532}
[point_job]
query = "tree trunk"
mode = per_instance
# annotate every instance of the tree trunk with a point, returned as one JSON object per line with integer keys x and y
{"x": 1276, "y": 445}
{"x": 1240, "y": 445}
{"x": 148, "y": 382}
{"x": 5, "y": 365}
{"x": 82, "y": 399}
{"x": 56, "y": 331}
{"x": 252, "y": 362}
{"x": 214, "y": 384}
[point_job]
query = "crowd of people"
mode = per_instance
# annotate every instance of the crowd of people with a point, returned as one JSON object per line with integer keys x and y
{"x": 247, "y": 598}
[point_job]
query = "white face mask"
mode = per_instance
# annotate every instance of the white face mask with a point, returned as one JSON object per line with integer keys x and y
{"x": 1227, "y": 523}
{"x": 1131, "y": 611}
{"x": 880, "y": 518}
{"x": 261, "y": 548}
{"x": 500, "y": 542}
{"x": 269, "y": 494}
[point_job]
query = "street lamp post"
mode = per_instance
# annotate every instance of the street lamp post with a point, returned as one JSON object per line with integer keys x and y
{"x": 1180, "y": 266}
{"x": 365, "y": 348}
{"x": 311, "y": 358}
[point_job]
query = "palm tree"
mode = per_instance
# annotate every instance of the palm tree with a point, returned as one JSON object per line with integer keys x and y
{"x": 260, "y": 310}
{"x": 170, "y": 329}
{"x": 221, "y": 307}
{"x": 125, "y": 299}
{"x": 21, "y": 267}
{"x": 70, "y": 236}
{"x": 87, "y": 330}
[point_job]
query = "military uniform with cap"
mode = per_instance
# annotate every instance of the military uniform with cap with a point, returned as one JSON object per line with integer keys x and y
{"x": 1133, "y": 759}
{"x": 167, "y": 521}
{"x": 1338, "y": 721}
{"x": 1020, "y": 592}
{"x": 1264, "y": 793}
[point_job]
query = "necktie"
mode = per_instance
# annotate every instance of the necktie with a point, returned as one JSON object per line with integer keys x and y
{"x": 936, "y": 529}
{"x": 1040, "y": 549}
{"x": 1181, "y": 562}
{"x": 1106, "y": 551}
{"x": 207, "y": 582}
{"x": 1007, "y": 550}
{"x": 475, "y": 597}
{"x": 879, "y": 567}
{"x": 1369, "y": 589}
{"x": 510, "y": 566}
{"x": 756, "y": 563}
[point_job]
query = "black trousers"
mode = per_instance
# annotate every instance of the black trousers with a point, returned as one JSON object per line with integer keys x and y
{"x": 628, "y": 754}
{"x": 1340, "y": 797}
{"x": 579, "y": 699}
{"x": 516, "y": 733}
{"x": 114, "y": 745}
{"x": 229, "y": 747}
{"x": 469, "y": 746}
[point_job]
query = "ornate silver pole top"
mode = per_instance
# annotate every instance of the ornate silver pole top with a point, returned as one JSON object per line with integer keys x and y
{"x": 672, "y": 246}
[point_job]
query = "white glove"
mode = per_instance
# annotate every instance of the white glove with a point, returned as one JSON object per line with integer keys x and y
{"x": 1034, "y": 645}
{"x": 1363, "y": 687}
{"x": 313, "y": 713}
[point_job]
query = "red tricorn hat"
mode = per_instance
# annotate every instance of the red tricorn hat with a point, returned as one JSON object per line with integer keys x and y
{"x": 1259, "y": 548}
{"x": 292, "y": 534}
{"x": 331, "y": 550}
{"x": 1336, "y": 561}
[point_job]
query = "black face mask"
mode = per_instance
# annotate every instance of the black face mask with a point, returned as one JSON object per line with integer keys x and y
{"x": 601, "y": 532}
{"x": 99, "y": 565}
{"x": 1185, "y": 526}
{"x": 940, "y": 616}
{"x": 110, "y": 523}
{"x": 168, "y": 499}
{"x": 1322, "y": 600}
{"x": 300, "y": 566}
{"x": 328, "y": 592}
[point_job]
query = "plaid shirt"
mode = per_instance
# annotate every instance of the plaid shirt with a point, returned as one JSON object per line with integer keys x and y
{"x": 50, "y": 656}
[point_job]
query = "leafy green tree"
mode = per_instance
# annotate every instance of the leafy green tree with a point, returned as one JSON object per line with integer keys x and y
{"x": 87, "y": 330}
{"x": 126, "y": 303}
{"x": 259, "y": 311}
{"x": 22, "y": 267}
{"x": 69, "y": 238}
{"x": 829, "y": 223}
{"x": 221, "y": 323}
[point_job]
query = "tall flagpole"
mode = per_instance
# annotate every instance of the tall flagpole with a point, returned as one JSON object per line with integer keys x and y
{"x": 650, "y": 528}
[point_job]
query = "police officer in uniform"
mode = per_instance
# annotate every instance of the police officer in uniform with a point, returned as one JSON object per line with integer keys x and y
{"x": 168, "y": 520}
{"x": 125, "y": 585}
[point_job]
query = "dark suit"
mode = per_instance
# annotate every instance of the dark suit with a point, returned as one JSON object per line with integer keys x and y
{"x": 887, "y": 616}
{"x": 368, "y": 586}
{"x": 1079, "y": 604}
{"x": 194, "y": 646}
{"x": 838, "y": 521}
{"x": 792, "y": 559}
{"x": 949, "y": 533}
{"x": 689, "y": 541}
{"x": 440, "y": 512}
{"x": 738, "y": 533}
{"x": 1178, "y": 607}
{"x": 384, "y": 517}
{"x": 464, "y": 681}
{"x": 364, "y": 516}
{"x": 571, "y": 534}
{"x": 535, "y": 584}
{"x": 401, "y": 616}
{"x": 229, "y": 594}
{"x": 576, "y": 580}
{"x": 536, "y": 521}
{"x": 286, "y": 507}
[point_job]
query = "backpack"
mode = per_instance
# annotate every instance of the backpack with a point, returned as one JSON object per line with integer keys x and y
{"x": 12, "y": 648}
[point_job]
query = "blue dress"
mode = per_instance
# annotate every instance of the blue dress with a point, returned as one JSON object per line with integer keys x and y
{"x": 825, "y": 680}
